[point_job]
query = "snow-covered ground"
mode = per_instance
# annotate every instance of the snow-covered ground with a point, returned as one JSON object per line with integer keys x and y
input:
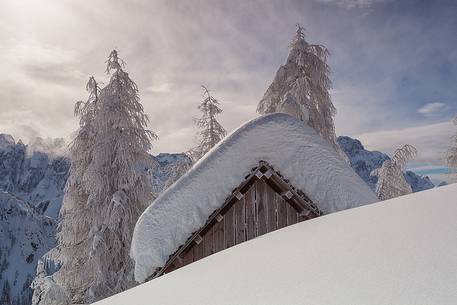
{"x": 399, "y": 251}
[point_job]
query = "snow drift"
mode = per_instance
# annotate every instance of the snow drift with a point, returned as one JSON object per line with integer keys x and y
{"x": 399, "y": 251}
{"x": 287, "y": 144}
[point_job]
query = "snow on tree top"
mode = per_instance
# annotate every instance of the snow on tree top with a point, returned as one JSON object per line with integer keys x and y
{"x": 290, "y": 146}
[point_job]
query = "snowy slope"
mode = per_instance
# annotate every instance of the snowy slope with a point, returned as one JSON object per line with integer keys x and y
{"x": 364, "y": 162}
{"x": 290, "y": 146}
{"x": 400, "y": 251}
{"x": 25, "y": 236}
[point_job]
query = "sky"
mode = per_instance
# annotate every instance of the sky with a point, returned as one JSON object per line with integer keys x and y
{"x": 394, "y": 63}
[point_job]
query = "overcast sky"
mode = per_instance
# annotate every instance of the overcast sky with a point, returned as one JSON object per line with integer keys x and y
{"x": 394, "y": 63}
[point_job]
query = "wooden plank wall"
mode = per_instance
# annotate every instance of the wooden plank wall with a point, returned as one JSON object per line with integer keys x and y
{"x": 260, "y": 211}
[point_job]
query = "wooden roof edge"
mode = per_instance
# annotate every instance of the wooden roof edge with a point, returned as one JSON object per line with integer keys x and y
{"x": 252, "y": 175}
{"x": 304, "y": 201}
{"x": 213, "y": 216}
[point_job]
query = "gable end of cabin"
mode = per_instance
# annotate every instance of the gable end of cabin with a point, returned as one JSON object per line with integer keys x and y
{"x": 264, "y": 202}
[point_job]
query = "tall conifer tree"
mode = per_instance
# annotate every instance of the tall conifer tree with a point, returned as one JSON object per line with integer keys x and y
{"x": 211, "y": 130}
{"x": 300, "y": 87}
{"x": 107, "y": 190}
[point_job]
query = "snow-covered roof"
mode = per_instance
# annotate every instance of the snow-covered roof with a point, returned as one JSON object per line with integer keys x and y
{"x": 399, "y": 251}
{"x": 287, "y": 144}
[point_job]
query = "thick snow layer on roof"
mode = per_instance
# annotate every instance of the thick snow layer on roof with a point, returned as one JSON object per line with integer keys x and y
{"x": 287, "y": 144}
{"x": 399, "y": 251}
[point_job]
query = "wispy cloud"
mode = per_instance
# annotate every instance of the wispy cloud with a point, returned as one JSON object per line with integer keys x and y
{"x": 161, "y": 88}
{"x": 350, "y": 4}
{"x": 433, "y": 109}
{"x": 432, "y": 141}
{"x": 437, "y": 174}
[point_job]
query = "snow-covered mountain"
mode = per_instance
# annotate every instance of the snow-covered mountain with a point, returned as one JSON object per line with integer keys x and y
{"x": 34, "y": 173}
{"x": 168, "y": 168}
{"x": 25, "y": 235}
{"x": 364, "y": 162}
{"x": 32, "y": 181}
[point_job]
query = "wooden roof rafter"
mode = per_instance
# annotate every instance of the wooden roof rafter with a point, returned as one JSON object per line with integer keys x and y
{"x": 296, "y": 198}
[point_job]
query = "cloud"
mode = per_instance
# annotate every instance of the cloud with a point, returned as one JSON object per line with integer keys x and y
{"x": 41, "y": 62}
{"x": 52, "y": 73}
{"x": 433, "y": 109}
{"x": 436, "y": 173}
{"x": 161, "y": 88}
{"x": 431, "y": 141}
{"x": 24, "y": 125}
{"x": 350, "y": 4}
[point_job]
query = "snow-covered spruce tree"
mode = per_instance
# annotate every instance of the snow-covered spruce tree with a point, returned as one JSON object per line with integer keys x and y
{"x": 451, "y": 157}
{"x": 391, "y": 182}
{"x": 211, "y": 130}
{"x": 300, "y": 88}
{"x": 106, "y": 193}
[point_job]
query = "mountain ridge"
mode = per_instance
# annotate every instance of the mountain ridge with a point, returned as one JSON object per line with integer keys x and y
{"x": 364, "y": 162}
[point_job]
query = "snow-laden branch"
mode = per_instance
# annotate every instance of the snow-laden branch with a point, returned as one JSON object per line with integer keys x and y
{"x": 391, "y": 182}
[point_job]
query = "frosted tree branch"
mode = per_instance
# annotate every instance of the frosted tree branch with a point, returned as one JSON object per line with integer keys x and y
{"x": 391, "y": 182}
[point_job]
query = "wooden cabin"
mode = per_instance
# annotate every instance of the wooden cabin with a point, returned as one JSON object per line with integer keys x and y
{"x": 272, "y": 172}
{"x": 264, "y": 202}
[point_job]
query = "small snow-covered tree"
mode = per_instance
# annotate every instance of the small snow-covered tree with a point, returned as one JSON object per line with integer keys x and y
{"x": 391, "y": 182}
{"x": 106, "y": 192}
{"x": 300, "y": 87}
{"x": 211, "y": 130}
{"x": 451, "y": 157}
